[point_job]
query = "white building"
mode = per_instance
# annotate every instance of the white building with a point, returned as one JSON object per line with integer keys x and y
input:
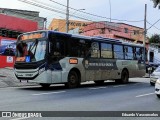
{"x": 154, "y": 54}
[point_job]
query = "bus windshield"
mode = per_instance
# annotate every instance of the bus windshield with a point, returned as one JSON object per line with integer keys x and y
{"x": 31, "y": 50}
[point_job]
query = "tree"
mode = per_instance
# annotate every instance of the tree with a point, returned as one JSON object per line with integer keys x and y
{"x": 156, "y": 3}
{"x": 154, "y": 39}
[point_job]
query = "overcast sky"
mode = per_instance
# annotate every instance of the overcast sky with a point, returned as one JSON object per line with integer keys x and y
{"x": 130, "y": 10}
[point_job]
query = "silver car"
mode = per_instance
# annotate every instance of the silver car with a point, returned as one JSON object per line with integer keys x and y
{"x": 154, "y": 76}
{"x": 157, "y": 88}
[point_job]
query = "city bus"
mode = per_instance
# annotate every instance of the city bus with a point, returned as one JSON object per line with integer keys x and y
{"x": 50, "y": 57}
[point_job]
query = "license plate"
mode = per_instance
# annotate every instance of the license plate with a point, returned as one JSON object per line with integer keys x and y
{"x": 24, "y": 81}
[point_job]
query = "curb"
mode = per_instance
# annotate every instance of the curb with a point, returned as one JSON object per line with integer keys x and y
{"x": 2, "y": 75}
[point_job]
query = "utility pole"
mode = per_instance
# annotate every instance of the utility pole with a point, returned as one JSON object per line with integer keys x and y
{"x": 67, "y": 17}
{"x": 145, "y": 32}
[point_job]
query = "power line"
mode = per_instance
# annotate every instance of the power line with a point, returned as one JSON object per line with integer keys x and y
{"x": 51, "y": 9}
{"x": 38, "y": 5}
{"x": 94, "y": 14}
{"x": 153, "y": 24}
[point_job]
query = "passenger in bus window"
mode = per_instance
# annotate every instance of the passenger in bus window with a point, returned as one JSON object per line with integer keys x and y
{"x": 25, "y": 51}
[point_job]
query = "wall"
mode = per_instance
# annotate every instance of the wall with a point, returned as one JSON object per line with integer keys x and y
{"x": 25, "y": 14}
{"x": 17, "y": 24}
{"x": 60, "y": 25}
{"x": 156, "y": 51}
{"x": 7, "y": 61}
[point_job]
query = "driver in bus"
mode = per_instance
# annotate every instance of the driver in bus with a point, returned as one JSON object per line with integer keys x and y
{"x": 25, "y": 51}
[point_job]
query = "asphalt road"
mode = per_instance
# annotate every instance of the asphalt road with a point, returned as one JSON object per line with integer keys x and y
{"x": 137, "y": 95}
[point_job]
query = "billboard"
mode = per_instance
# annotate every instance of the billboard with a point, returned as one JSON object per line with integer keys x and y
{"x": 7, "y": 47}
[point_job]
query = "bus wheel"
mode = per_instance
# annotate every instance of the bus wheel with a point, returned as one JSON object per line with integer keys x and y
{"x": 152, "y": 84}
{"x": 45, "y": 85}
{"x": 73, "y": 80}
{"x": 99, "y": 82}
{"x": 124, "y": 76}
{"x": 158, "y": 95}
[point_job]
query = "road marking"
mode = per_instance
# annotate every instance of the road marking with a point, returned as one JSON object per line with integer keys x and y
{"x": 97, "y": 88}
{"x": 119, "y": 85}
{"x": 145, "y": 94}
{"x": 137, "y": 83}
{"x": 20, "y": 118}
{"x": 50, "y": 93}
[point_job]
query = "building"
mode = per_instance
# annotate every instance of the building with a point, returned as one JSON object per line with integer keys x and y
{"x": 121, "y": 31}
{"x": 25, "y": 14}
{"x": 154, "y": 54}
{"x": 13, "y": 23}
{"x": 60, "y": 25}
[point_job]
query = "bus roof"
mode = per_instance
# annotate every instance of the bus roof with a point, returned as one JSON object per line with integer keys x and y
{"x": 93, "y": 38}
{"x": 132, "y": 44}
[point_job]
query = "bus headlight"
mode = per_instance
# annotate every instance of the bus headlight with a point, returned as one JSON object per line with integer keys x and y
{"x": 41, "y": 70}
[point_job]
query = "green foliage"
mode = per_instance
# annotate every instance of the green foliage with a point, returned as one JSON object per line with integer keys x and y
{"x": 154, "y": 38}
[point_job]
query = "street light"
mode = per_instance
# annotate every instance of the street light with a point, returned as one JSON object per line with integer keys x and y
{"x": 110, "y": 9}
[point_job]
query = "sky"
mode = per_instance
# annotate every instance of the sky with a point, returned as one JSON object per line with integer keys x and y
{"x": 126, "y": 11}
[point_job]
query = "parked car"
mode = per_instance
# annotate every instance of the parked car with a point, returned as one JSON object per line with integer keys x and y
{"x": 154, "y": 76}
{"x": 157, "y": 88}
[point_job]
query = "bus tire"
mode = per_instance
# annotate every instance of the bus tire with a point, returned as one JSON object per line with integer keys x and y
{"x": 73, "y": 80}
{"x": 152, "y": 84}
{"x": 124, "y": 76}
{"x": 99, "y": 82}
{"x": 158, "y": 95}
{"x": 45, "y": 85}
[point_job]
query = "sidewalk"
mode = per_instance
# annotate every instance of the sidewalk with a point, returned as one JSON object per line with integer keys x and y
{"x": 8, "y": 79}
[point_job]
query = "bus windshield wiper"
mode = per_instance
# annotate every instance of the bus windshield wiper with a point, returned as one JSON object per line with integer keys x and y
{"x": 35, "y": 43}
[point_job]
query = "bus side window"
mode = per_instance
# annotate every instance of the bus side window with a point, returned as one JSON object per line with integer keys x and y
{"x": 95, "y": 52}
{"x": 139, "y": 53}
{"x": 128, "y": 50}
{"x": 106, "y": 50}
{"x": 134, "y": 53}
{"x": 86, "y": 49}
{"x": 118, "y": 52}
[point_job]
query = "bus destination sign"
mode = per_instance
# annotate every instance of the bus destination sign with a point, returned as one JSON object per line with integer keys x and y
{"x": 32, "y": 36}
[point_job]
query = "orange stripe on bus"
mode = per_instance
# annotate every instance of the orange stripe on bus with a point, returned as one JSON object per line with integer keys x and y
{"x": 73, "y": 61}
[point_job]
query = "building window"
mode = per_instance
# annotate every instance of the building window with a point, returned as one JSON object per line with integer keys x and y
{"x": 126, "y": 30}
{"x": 102, "y": 31}
{"x": 109, "y": 30}
{"x": 135, "y": 32}
{"x": 95, "y": 52}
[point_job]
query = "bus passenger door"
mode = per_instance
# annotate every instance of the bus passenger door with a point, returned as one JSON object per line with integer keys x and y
{"x": 92, "y": 62}
{"x": 89, "y": 70}
{"x": 93, "y": 70}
